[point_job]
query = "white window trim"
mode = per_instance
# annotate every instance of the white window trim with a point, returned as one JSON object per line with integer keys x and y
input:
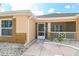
{"x": 5, "y": 28}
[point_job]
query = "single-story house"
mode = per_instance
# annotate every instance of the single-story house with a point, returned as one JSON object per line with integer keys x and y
{"x": 23, "y": 27}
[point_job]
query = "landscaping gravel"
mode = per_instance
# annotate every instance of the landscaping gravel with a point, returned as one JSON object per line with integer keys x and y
{"x": 11, "y": 49}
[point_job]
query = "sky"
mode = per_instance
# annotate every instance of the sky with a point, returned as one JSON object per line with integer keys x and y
{"x": 42, "y": 8}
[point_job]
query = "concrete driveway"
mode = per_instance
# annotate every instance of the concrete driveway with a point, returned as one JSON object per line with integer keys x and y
{"x": 50, "y": 49}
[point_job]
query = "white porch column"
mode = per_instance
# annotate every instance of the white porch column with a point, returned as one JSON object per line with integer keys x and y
{"x": 49, "y": 30}
{"x": 49, "y": 27}
{"x": 77, "y": 29}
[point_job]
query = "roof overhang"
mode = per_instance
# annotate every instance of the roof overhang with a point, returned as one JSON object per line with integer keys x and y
{"x": 57, "y": 19}
{"x": 18, "y": 12}
{"x": 73, "y": 17}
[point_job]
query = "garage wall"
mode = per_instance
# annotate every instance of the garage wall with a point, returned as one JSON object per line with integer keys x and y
{"x": 18, "y": 28}
{"x": 31, "y": 29}
{"x": 21, "y": 23}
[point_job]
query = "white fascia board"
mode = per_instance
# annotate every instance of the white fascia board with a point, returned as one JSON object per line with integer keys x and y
{"x": 11, "y": 13}
{"x": 57, "y": 18}
{"x": 6, "y": 19}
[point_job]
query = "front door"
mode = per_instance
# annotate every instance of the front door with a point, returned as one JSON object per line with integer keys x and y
{"x": 41, "y": 30}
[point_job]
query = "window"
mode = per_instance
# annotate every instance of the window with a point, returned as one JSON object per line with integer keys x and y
{"x": 57, "y": 27}
{"x": 6, "y": 32}
{"x": 52, "y": 27}
{"x": 61, "y": 27}
{"x": 6, "y": 26}
{"x": 6, "y": 23}
{"x": 41, "y": 27}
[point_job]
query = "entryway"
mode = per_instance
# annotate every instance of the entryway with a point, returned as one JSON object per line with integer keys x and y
{"x": 41, "y": 30}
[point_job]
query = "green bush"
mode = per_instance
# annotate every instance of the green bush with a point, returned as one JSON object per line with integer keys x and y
{"x": 61, "y": 37}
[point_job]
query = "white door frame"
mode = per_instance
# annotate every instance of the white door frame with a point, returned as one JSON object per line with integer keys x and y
{"x": 41, "y": 37}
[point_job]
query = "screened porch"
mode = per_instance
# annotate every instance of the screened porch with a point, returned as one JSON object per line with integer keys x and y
{"x": 68, "y": 28}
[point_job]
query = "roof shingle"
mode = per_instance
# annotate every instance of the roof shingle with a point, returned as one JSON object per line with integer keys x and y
{"x": 58, "y": 15}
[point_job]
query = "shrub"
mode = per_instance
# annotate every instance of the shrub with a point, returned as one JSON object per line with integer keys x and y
{"x": 61, "y": 37}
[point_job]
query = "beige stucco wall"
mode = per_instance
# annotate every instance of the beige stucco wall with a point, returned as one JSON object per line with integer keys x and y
{"x": 21, "y": 23}
{"x": 31, "y": 29}
{"x": 19, "y": 32}
{"x": 26, "y": 24}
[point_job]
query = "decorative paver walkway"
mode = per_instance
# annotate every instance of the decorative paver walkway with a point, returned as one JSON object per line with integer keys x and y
{"x": 50, "y": 49}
